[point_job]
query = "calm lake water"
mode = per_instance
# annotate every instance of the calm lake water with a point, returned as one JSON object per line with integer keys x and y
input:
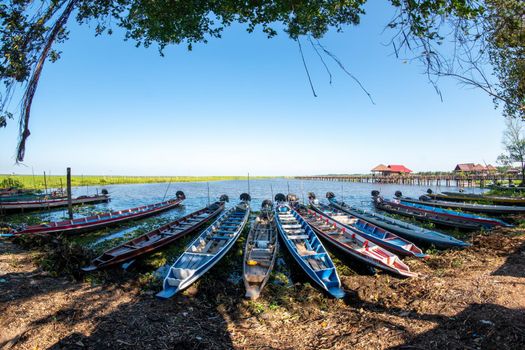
{"x": 127, "y": 196}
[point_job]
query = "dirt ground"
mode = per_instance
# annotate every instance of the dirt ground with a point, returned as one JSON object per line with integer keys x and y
{"x": 469, "y": 299}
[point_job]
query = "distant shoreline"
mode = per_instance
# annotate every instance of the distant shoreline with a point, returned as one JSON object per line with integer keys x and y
{"x": 57, "y": 181}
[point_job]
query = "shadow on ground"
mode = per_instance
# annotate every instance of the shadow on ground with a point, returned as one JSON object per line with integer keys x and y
{"x": 513, "y": 265}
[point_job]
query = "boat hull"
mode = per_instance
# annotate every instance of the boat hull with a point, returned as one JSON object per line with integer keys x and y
{"x": 335, "y": 290}
{"x": 385, "y": 243}
{"x": 25, "y": 206}
{"x": 462, "y": 197}
{"x": 406, "y": 230}
{"x": 474, "y": 208}
{"x": 129, "y": 254}
{"x": 438, "y": 217}
{"x": 267, "y": 246}
{"x": 100, "y": 221}
{"x": 174, "y": 283}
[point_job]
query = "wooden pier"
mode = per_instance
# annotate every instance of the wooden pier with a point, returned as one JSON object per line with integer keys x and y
{"x": 447, "y": 180}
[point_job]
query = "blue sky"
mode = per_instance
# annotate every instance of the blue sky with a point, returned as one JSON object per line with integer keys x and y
{"x": 243, "y": 104}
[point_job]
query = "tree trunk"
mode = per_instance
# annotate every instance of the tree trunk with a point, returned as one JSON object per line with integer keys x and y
{"x": 522, "y": 174}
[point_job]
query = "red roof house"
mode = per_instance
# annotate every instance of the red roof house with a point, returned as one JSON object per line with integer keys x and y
{"x": 391, "y": 169}
{"x": 465, "y": 168}
{"x": 399, "y": 169}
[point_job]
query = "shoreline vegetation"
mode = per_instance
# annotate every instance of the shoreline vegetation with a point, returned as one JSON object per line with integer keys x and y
{"x": 57, "y": 181}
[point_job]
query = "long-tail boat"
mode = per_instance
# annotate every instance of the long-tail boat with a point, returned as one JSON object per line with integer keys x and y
{"x": 260, "y": 251}
{"x": 158, "y": 238}
{"x": 14, "y": 191}
{"x": 373, "y": 233}
{"x": 472, "y": 197}
{"x": 51, "y": 203}
{"x": 207, "y": 249}
{"x": 440, "y": 216}
{"x": 402, "y": 228}
{"x": 306, "y": 248}
{"x": 471, "y": 207}
{"x": 91, "y": 223}
{"x": 31, "y": 196}
{"x": 354, "y": 244}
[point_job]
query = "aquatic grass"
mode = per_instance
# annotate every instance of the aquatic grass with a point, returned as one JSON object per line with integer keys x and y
{"x": 58, "y": 181}
{"x": 256, "y": 307}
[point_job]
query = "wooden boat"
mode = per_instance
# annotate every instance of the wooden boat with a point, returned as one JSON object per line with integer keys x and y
{"x": 23, "y": 206}
{"x": 260, "y": 252}
{"x": 207, "y": 249}
{"x": 306, "y": 248}
{"x": 13, "y": 191}
{"x": 438, "y": 216}
{"x": 95, "y": 222}
{"x": 471, "y": 197}
{"x": 31, "y": 197}
{"x": 371, "y": 232}
{"x": 409, "y": 231}
{"x": 157, "y": 238}
{"x": 354, "y": 244}
{"x": 471, "y": 207}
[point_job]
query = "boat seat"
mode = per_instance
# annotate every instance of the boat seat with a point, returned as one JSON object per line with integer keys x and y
{"x": 297, "y": 237}
{"x": 221, "y": 237}
{"x": 261, "y": 245}
{"x": 334, "y": 233}
{"x": 198, "y": 254}
{"x": 224, "y": 232}
{"x": 295, "y": 231}
{"x": 228, "y": 226}
{"x": 180, "y": 273}
{"x": 266, "y": 250}
{"x": 292, "y": 226}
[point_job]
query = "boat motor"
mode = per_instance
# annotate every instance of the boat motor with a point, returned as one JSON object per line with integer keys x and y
{"x": 180, "y": 195}
{"x": 429, "y": 191}
{"x": 312, "y": 199}
{"x": 224, "y": 198}
{"x": 279, "y": 197}
{"x": 245, "y": 197}
{"x": 266, "y": 204}
{"x": 377, "y": 199}
{"x": 375, "y": 193}
{"x": 330, "y": 195}
{"x": 398, "y": 194}
{"x": 292, "y": 198}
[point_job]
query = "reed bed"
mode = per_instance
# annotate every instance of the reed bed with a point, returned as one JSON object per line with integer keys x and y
{"x": 56, "y": 181}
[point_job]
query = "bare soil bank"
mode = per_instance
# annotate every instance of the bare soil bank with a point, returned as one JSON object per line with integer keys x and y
{"x": 469, "y": 299}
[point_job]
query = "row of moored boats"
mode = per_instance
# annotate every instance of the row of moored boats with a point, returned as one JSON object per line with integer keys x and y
{"x": 377, "y": 240}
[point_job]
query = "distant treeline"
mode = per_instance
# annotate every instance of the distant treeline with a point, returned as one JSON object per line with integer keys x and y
{"x": 57, "y": 181}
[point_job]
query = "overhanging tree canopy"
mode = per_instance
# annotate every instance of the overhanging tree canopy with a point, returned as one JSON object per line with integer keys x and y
{"x": 480, "y": 32}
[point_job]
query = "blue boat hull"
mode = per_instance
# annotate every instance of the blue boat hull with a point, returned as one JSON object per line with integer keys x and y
{"x": 327, "y": 279}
